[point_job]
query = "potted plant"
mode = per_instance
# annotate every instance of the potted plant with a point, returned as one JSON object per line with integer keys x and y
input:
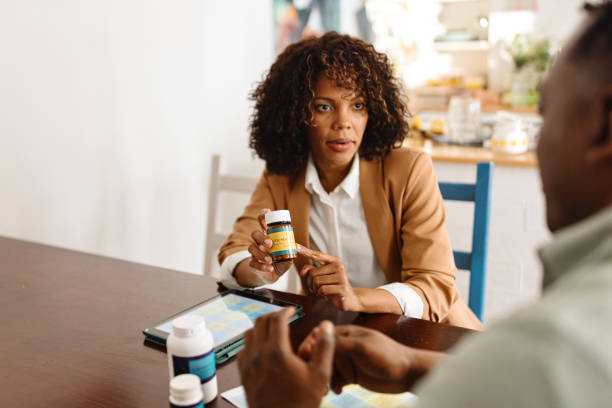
{"x": 531, "y": 59}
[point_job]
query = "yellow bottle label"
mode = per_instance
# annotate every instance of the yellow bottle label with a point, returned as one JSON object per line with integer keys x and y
{"x": 283, "y": 242}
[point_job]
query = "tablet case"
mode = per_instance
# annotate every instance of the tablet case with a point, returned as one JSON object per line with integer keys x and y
{"x": 227, "y": 350}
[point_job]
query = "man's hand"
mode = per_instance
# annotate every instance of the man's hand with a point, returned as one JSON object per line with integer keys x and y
{"x": 373, "y": 360}
{"x": 273, "y": 375}
{"x": 329, "y": 280}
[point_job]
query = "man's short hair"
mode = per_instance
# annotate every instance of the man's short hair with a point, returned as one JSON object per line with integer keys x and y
{"x": 595, "y": 43}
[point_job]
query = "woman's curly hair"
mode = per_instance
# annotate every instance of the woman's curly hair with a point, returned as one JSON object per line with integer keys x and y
{"x": 283, "y": 100}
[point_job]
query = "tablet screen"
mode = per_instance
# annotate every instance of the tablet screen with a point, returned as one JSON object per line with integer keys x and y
{"x": 227, "y": 316}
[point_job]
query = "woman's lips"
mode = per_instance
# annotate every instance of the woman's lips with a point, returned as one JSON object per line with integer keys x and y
{"x": 340, "y": 145}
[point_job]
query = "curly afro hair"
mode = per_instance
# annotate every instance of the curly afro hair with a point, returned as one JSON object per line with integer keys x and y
{"x": 283, "y": 100}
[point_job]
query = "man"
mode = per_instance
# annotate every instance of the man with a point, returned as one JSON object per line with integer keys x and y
{"x": 555, "y": 353}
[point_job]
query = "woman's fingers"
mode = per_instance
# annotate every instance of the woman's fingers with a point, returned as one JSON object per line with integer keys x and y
{"x": 328, "y": 269}
{"x": 316, "y": 255}
{"x": 261, "y": 259}
{"x": 331, "y": 279}
{"x": 261, "y": 254}
{"x": 331, "y": 290}
{"x": 260, "y": 266}
{"x": 261, "y": 239}
{"x": 305, "y": 270}
{"x": 325, "y": 275}
{"x": 314, "y": 273}
{"x": 262, "y": 218}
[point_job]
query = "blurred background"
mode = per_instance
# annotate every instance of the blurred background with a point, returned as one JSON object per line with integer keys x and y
{"x": 110, "y": 112}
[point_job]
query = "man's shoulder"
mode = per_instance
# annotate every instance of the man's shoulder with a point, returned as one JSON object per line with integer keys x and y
{"x": 569, "y": 323}
{"x": 581, "y": 299}
{"x": 577, "y": 306}
{"x": 529, "y": 359}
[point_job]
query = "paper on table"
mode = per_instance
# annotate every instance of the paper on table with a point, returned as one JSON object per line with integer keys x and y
{"x": 236, "y": 396}
{"x": 355, "y": 396}
{"x": 351, "y": 396}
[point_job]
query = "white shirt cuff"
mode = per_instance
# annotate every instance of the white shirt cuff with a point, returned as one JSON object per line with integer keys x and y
{"x": 408, "y": 299}
{"x": 228, "y": 266}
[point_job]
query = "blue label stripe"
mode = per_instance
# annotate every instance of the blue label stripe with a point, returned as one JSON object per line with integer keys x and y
{"x": 272, "y": 231}
{"x": 197, "y": 405}
{"x": 289, "y": 252}
{"x": 203, "y": 365}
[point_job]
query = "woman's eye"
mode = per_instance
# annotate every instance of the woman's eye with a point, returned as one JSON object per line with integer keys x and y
{"x": 322, "y": 107}
{"x": 359, "y": 105}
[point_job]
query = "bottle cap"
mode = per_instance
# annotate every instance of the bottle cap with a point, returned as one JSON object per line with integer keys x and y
{"x": 186, "y": 326}
{"x": 186, "y": 387}
{"x": 278, "y": 216}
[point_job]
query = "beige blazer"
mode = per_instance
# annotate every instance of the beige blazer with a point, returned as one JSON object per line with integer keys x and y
{"x": 405, "y": 217}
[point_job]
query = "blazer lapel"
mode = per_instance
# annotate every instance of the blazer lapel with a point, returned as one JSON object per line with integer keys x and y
{"x": 379, "y": 218}
{"x": 299, "y": 206}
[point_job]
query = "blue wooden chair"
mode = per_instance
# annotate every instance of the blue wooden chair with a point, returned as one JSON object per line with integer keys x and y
{"x": 476, "y": 260}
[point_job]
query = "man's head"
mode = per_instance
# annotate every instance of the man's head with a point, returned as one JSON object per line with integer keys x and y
{"x": 575, "y": 148}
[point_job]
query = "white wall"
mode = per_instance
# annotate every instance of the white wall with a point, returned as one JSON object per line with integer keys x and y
{"x": 553, "y": 19}
{"x": 517, "y": 228}
{"x": 109, "y": 112}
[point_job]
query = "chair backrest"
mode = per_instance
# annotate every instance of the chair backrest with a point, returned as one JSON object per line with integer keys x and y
{"x": 218, "y": 183}
{"x": 476, "y": 260}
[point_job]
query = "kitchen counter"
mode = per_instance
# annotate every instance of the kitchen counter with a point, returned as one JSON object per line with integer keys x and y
{"x": 470, "y": 154}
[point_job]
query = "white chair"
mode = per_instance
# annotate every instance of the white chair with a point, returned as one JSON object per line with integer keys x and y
{"x": 245, "y": 185}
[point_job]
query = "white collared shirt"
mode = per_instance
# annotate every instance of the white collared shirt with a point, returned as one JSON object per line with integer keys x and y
{"x": 338, "y": 227}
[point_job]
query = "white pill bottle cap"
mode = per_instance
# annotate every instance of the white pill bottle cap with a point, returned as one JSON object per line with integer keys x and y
{"x": 278, "y": 216}
{"x": 185, "y": 390}
{"x": 187, "y": 326}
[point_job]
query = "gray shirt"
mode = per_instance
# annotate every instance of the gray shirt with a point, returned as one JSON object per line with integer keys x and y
{"x": 555, "y": 353}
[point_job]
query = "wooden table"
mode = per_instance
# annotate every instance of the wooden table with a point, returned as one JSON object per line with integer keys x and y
{"x": 71, "y": 328}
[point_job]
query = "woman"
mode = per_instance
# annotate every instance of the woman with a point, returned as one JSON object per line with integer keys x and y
{"x": 328, "y": 118}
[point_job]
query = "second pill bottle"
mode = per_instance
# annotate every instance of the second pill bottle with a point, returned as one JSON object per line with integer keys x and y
{"x": 190, "y": 351}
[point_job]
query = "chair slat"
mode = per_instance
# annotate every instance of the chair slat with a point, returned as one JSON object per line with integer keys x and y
{"x": 476, "y": 260}
{"x": 458, "y": 191}
{"x": 463, "y": 260}
{"x": 236, "y": 183}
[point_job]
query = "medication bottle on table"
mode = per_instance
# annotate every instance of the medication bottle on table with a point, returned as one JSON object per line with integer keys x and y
{"x": 186, "y": 392}
{"x": 280, "y": 231}
{"x": 190, "y": 351}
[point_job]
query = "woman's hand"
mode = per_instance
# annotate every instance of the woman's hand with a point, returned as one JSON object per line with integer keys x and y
{"x": 259, "y": 266}
{"x": 329, "y": 280}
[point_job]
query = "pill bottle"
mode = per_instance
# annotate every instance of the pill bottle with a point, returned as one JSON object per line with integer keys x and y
{"x": 186, "y": 392}
{"x": 280, "y": 231}
{"x": 190, "y": 351}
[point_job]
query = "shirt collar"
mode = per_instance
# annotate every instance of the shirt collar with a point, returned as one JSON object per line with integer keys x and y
{"x": 586, "y": 240}
{"x": 350, "y": 184}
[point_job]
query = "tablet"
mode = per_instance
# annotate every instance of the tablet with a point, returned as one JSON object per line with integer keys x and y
{"x": 228, "y": 316}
